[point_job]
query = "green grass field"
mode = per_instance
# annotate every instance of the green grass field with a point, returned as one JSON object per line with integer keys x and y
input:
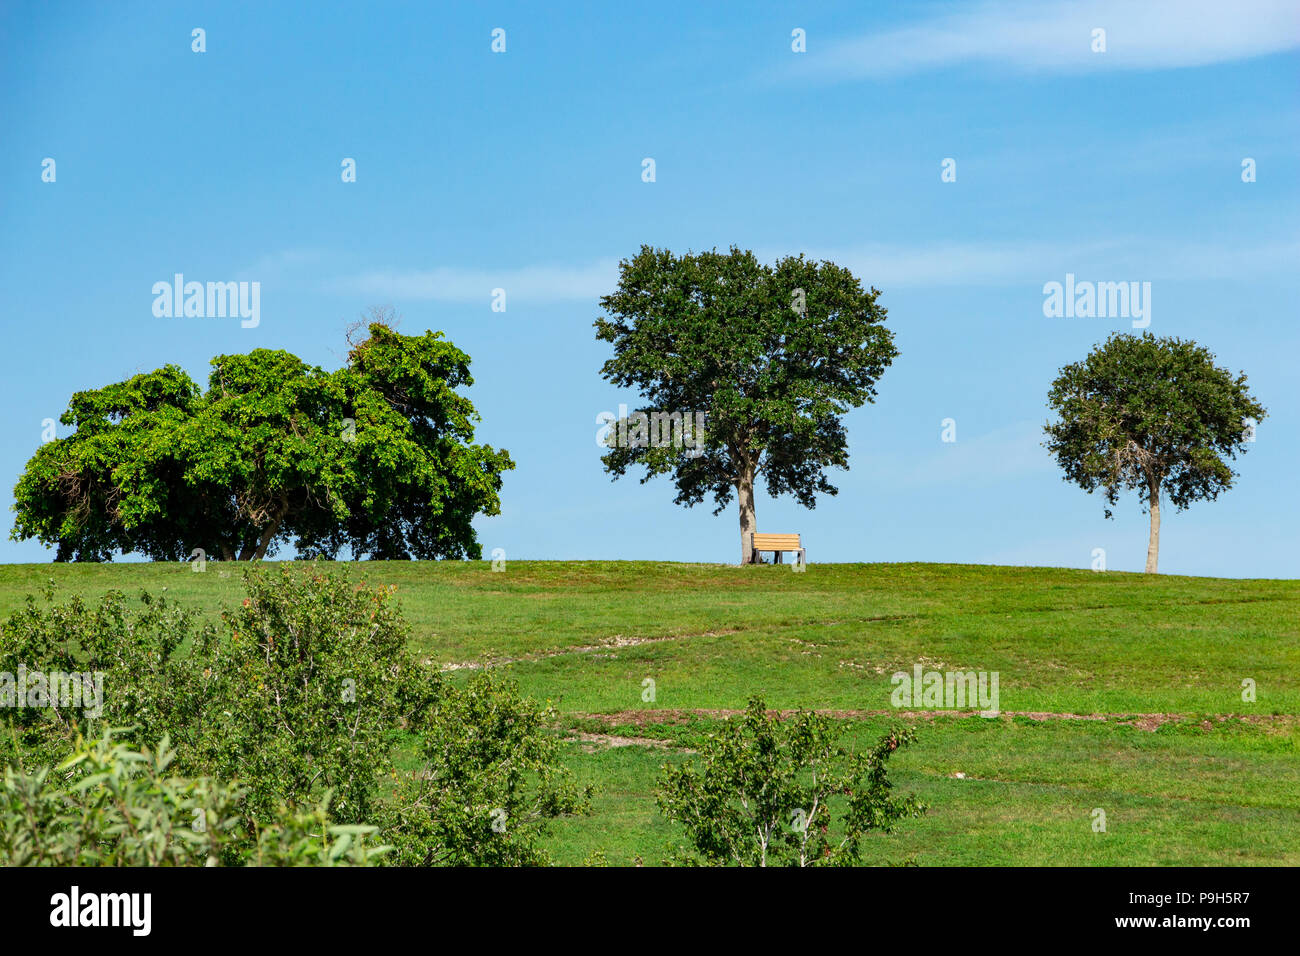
{"x": 1119, "y": 692}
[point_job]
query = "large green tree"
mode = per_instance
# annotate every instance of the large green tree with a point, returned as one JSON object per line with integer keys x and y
{"x": 1155, "y": 415}
{"x": 775, "y": 355}
{"x": 377, "y": 457}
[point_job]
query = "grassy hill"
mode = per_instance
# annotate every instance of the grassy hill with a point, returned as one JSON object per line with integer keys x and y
{"x": 1119, "y": 692}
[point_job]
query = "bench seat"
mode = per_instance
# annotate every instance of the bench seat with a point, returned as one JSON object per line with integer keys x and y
{"x": 776, "y": 543}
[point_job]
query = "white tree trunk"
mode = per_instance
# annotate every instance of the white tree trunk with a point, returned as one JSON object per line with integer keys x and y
{"x": 1153, "y": 542}
{"x": 748, "y": 525}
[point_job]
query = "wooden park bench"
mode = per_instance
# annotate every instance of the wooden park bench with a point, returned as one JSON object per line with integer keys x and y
{"x": 776, "y": 543}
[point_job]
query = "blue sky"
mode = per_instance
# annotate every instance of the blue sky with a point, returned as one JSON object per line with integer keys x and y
{"x": 522, "y": 170}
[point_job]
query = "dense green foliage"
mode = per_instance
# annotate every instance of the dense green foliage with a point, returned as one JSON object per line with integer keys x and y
{"x": 775, "y": 355}
{"x": 491, "y": 778}
{"x": 299, "y": 698}
{"x": 377, "y": 457}
{"x": 763, "y": 789}
{"x": 110, "y": 805}
{"x": 1152, "y": 414}
{"x": 298, "y": 693}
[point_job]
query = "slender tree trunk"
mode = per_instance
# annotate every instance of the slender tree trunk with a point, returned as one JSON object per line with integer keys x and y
{"x": 1153, "y": 542}
{"x": 277, "y": 519}
{"x": 267, "y": 534}
{"x": 745, "y": 496}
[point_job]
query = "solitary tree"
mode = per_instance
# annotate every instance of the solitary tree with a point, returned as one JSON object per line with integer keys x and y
{"x": 773, "y": 355}
{"x": 377, "y": 457}
{"x": 1151, "y": 414}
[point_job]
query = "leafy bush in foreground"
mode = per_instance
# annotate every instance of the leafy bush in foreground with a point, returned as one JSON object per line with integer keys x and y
{"x": 304, "y": 698}
{"x": 763, "y": 790}
{"x": 314, "y": 682}
{"x": 110, "y": 805}
{"x": 491, "y": 780}
{"x": 301, "y": 695}
{"x": 149, "y": 683}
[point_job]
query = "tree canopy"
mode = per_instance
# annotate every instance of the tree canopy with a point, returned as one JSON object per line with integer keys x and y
{"x": 774, "y": 355}
{"x": 1152, "y": 414}
{"x": 377, "y": 457}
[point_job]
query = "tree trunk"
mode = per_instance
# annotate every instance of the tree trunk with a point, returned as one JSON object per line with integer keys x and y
{"x": 1153, "y": 542}
{"x": 267, "y": 534}
{"x": 745, "y": 496}
{"x": 272, "y": 526}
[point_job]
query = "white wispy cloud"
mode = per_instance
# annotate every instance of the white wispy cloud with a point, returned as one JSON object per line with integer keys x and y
{"x": 286, "y": 262}
{"x": 1057, "y": 37}
{"x": 952, "y": 262}
{"x": 946, "y": 262}
{"x": 529, "y": 284}
{"x": 973, "y": 262}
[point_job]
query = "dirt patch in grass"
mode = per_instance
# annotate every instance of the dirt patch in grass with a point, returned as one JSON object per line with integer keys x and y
{"x": 620, "y": 640}
{"x": 613, "y": 643}
{"x": 1148, "y": 722}
{"x": 593, "y": 742}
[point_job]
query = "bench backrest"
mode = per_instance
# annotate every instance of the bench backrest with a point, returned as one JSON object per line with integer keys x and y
{"x": 776, "y": 542}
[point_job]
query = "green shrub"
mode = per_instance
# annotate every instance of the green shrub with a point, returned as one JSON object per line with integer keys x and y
{"x": 149, "y": 681}
{"x": 773, "y": 792}
{"x": 303, "y": 693}
{"x": 314, "y": 682}
{"x": 300, "y": 696}
{"x": 111, "y": 805}
{"x": 490, "y": 780}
